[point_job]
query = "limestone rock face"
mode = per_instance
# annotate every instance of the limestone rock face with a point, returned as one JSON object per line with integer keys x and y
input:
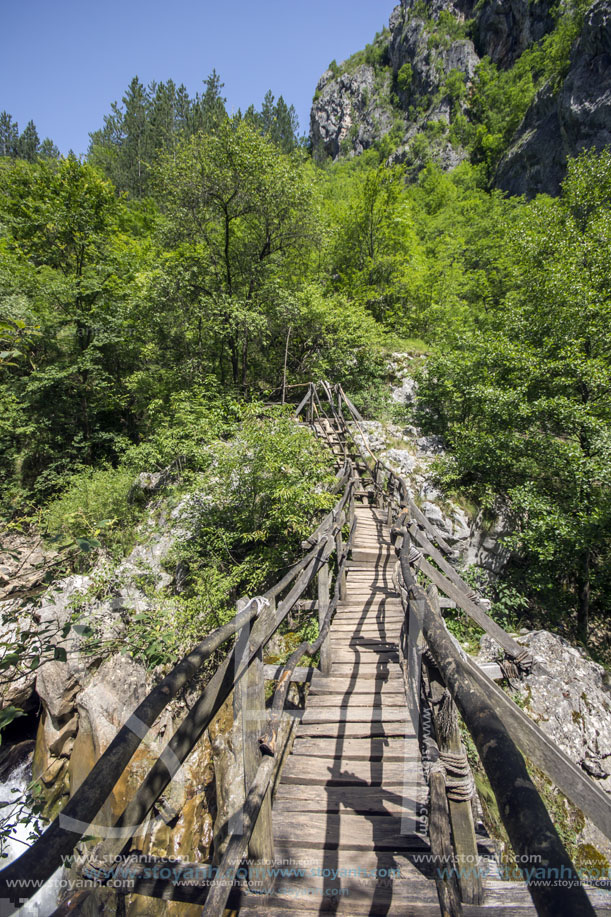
{"x": 347, "y": 108}
{"x": 569, "y": 696}
{"x": 505, "y": 28}
{"x": 87, "y": 692}
{"x": 404, "y": 90}
{"x": 411, "y": 43}
{"x": 561, "y": 124}
{"x": 354, "y": 108}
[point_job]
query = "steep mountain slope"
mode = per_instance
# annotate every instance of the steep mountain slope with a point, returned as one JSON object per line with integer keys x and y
{"x": 514, "y": 85}
{"x": 562, "y": 122}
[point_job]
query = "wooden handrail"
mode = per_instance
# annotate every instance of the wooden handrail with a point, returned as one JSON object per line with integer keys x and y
{"x": 530, "y": 829}
{"x": 268, "y": 740}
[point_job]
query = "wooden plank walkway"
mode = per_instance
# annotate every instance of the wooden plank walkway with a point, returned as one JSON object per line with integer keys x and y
{"x": 346, "y": 811}
{"x": 347, "y": 814}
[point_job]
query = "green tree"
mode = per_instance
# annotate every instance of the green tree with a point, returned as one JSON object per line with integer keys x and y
{"x": 136, "y": 149}
{"x": 28, "y": 143}
{"x": 9, "y": 135}
{"x": 61, "y": 219}
{"x": 241, "y": 212}
{"x": 209, "y": 109}
{"x": 524, "y": 401}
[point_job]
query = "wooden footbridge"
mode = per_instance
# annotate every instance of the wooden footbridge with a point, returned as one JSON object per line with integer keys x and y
{"x": 363, "y": 801}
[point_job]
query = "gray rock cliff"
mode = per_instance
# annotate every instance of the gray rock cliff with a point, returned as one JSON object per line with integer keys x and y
{"x": 405, "y": 87}
{"x": 563, "y": 123}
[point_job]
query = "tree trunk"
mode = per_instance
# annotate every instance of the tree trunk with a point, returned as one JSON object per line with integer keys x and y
{"x": 583, "y": 607}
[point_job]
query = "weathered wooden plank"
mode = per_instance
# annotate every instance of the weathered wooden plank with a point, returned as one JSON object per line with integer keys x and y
{"x": 367, "y": 632}
{"x": 359, "y": 700}
{"x": 360, "y": 773}
{"x": 284, "y": 906}
{"x": 344, "y": 635}
{"x": 380, "y": 669}
{"x": 439, "y": 832}
{"x": 368, "y": 627}
{"x": 374, "y": 601}
{"x": 251, "y": 693}
{"x": 323, "y": 605}
{"x": 345, "y": 860}
{"x": 354, "y": 714}
{"x": 460, "y": 811}
{"x": 361, "y": 639}
{"x": 366, "y": 660}
{"x": 373, "y": 555}
{"x": 370, "y": 613}
{"x": 498, "y": 890}
{"x": 369, "y": 583}
{"x": 344, "y": 684}
{"x": 352, "y": 896}
{"x": 354, "y": 730}
{"x": 359, "y": 893}
{"x": 369, "y": 616}
{"x": 365, "y": 625}
{"x": 367, "y": 652}
{"x": 371, "y": 604}
{"x": 352, "y": 832}
{"x": 390, "y": 749}
{"x": 360, "y": 800}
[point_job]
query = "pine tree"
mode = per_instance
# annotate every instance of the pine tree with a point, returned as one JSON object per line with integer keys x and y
{"x": 136, "y": 148}
{"x": 163, "y": 128}
{"x": 9, "y": 135}
{"x": 183, "y": 110}
{"x": 285, "y": 127}
{"x": 267, "y": 115}
{"x": 48, "y": 150}
{"x": 209, "y": 109}
{"x": 29, "y": 142}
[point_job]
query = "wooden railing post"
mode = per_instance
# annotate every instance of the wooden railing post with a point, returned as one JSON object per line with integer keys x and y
{"x": 250, "y": 698}
{"x": 461, "y": 814}
{"x": 310, "y": 408}
{"x": 323, "y": 605}
{"x": 339, "y": 553}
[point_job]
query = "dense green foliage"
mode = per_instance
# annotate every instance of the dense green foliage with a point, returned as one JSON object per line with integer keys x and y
{"x": 523, "y": 398}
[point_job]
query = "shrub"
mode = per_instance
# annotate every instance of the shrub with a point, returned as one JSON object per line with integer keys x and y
{"x": 93, "y": 508}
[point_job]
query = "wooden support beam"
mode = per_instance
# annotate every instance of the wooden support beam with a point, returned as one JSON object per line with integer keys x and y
{"x": 323, "y": 607}
{"x": 474, "y": 611}
{"x": 461, "y": 813}
{"x": 236, "y": 849}
{"x": 251, "y": 692}
{"x": 441, "y": 847}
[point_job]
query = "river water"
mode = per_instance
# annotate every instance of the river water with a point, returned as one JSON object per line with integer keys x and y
{"x": 12, "y": 791}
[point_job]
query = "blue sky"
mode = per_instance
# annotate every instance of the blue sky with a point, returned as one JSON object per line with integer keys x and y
{"x": 63, "y": 62}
